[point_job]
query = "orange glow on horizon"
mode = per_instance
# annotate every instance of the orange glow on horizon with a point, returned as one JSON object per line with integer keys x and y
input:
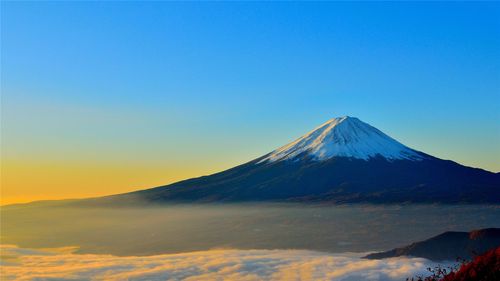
{"x": 26, "y": 182}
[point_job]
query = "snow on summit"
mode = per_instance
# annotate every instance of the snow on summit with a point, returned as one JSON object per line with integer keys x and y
{"x": 344, "y": 137}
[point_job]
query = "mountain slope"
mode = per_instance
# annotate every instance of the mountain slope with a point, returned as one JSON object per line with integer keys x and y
{"x": 448, "y": 246}
{"x": 344, "y": 161}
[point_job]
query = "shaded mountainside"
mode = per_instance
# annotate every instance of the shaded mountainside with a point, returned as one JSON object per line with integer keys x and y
{"x": 342, "y": 161}
{"x": 448, "y": 246}
{"x": 337, "y": 180}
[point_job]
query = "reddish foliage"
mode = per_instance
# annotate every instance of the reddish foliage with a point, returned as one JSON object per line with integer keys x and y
{"x": 485, "y": 267}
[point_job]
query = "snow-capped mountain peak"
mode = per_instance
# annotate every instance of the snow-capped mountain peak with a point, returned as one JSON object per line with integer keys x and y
{"x": 344, "y": 137}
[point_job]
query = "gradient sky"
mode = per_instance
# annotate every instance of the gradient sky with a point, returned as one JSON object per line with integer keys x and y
{"x": 101, "y": 98}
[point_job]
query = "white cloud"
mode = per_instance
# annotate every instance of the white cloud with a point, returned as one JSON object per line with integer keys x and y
{"x": 61, "y": 264}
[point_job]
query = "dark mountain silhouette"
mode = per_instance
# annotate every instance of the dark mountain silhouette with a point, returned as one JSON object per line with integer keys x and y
{"x": 448, "y": 246}
{"x": 342, "y": 161}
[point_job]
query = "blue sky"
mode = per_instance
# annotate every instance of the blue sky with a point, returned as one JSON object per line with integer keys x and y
{"x": 206, "y": 86}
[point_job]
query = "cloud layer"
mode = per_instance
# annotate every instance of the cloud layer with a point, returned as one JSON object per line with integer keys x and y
{"x": 26, "y": 264}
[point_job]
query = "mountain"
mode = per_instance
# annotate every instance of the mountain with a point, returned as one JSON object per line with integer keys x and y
{"x": 344, "y": 137}
{"x": 448, "y": 246}
{"x": 342, "y": 161}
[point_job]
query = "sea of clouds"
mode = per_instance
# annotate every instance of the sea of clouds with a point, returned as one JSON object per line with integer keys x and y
{"x": 220, "y": 264}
